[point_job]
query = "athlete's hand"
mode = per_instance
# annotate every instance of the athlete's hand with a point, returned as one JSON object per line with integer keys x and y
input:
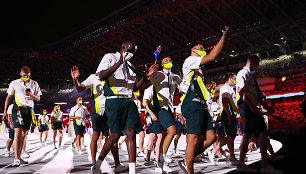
{"x": 75, "y": 72}
{"x": 122, "y": 51}
{"x": 154, "y": 118}
{"x": 12, "y": 125}
{"x": 151, "y": 70}
{"x": 4, "y": 115}
{"x": 226, "y": 33}
{"x": 28, "y": 93}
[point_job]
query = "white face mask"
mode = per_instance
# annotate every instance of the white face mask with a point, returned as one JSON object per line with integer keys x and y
{"x": 128, "y": 56}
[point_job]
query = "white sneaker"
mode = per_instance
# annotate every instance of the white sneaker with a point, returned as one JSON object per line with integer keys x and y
{"x": 94, "y": 170}
{"x": 205, "y": 153}
{"x": 246, "y": 169}
{"x": 166, "y": 158}
{"x": 16, "y": 163}
{"x": 25, "y": 155}
{"x": 158, "y": 169}
{"x": 120, "y": 168}
{"x": 6, "y": 154}
{"x": 270, "y": 169}
{"x": 80, "y": 152}
{"x": 141, "y": 154}
{"x": 166, "y": 167}
{"x": 83, "y": 147}
{"x": 211, "y": 157}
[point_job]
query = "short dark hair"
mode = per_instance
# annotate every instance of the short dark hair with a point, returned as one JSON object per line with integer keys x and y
{"x": 193, "y": 44}
{"x": 132, "y": 43}
{"x": 210, "y": 84}
{"x": 78, "y": 97}
{"x": 228, "y": 75}
{"x": 25, "y": 69}
{"x": 253, "y": 57}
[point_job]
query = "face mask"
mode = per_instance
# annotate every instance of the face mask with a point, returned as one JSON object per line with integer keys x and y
{"x": 45, "y": 113}
{"x": 234, "y": 82}
{"x": 80, "y": 101}
{"x": 25, "y": 79}
{"x": 167, "y": 65}
{"x": 59, "y": 108}
{"x": 200, "y": 52}
{"x": 128, "y": 56}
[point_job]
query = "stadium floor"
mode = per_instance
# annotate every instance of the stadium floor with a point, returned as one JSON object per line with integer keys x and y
{"x": 47, "y": 160}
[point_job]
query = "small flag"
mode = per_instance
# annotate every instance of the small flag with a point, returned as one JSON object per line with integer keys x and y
{"x": 156, "y": 53}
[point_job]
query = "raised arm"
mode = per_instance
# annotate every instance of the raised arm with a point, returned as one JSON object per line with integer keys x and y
{"x": 217, "y": 49}
{"x": 104, "y": 74}
{"x": 75, "y": 75}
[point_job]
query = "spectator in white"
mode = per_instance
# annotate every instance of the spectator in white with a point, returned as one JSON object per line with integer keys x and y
{"x": 79, "y": 113}
{"x": 22, "y": 92}
{"x": 57, "y": 125}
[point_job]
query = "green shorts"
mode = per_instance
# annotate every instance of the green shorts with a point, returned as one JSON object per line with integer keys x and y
{"x": 57, "y": 125}
{"x": 180, "y": 129}
{"x": 78, "y": 129}
{"x": 99, "y": 123}
{"x": 155, "y": 127}
{"x": 43, "y": 127}
{"x": 11, "y": 133}
{"x": 252, "y": 123}
{"x": 122, "y": 113}
{"x": 196, "y": 115}
{"x": 209, "y": 124}
{"x": 26, "y": 115}
{"x": 165, "y": 118}
{"x": 229, "y": 130}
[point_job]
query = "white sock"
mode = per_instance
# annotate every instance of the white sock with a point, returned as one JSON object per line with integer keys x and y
{"x": 98, "y": 164}
{"x": 132, "y": 168}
